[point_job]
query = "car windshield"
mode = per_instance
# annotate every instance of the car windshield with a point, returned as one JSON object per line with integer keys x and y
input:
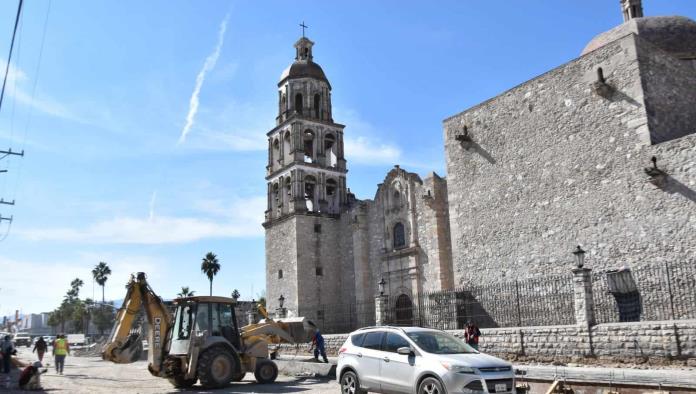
{"x": 439, "y": 342}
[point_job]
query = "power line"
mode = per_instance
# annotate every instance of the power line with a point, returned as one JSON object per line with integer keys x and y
{"x": 9, "y": 56}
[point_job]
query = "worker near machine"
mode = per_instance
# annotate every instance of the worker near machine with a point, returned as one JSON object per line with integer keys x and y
{"x": 8, "y": 350}
{"x": 40, "y": 348}
{"x": 318, "y": 345}
{"x": 30, "y": 378}
{"x": 60, "y": 350}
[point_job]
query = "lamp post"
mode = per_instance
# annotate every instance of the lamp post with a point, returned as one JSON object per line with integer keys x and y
{"x": 579, "y": 257}
{"x": 281, "y": 300}
{"x": 381, "y": 304}
{"x": 381, "y": 284}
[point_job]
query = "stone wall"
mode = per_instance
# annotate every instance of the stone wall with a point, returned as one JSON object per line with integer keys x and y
{"x": 552, "y": 165}
{"x": 650, "y": 342}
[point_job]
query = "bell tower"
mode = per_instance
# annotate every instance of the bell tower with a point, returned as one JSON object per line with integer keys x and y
{"x": 306, "y": 180}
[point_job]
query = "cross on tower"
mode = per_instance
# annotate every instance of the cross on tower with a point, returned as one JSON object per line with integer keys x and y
{"x": 303, "y": 26}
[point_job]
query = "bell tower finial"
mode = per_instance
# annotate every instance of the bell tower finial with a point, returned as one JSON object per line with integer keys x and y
{"x": 631, "y": 9}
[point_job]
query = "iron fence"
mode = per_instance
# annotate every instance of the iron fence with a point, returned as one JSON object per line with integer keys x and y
{"x": 341, "y": 318}
{"x": 535, "y": 302}
{"x": 665, "y": 291}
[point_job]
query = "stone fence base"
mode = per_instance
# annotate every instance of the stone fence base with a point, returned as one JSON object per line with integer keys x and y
{"x": 654, "y": 343}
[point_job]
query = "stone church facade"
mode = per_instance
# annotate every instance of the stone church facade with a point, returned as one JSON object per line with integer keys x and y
{"x": 560, "y": 160}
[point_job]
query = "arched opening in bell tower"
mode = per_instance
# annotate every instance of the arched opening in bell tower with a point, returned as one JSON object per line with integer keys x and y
{"x": 310, "y": 184}
{"x": 308, "y": 139}
{"x": 298, "y": 103}
{"x": 330, "y": 149}
{"x": 332, "y": 195}
{"x": 317, "y": 105}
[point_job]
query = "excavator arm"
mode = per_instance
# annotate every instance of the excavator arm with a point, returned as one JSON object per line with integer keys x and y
{"x": 125, "y": 344}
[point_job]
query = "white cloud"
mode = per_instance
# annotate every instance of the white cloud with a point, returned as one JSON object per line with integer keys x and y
{"x": 200, "y": 78}
{"x": 241, "y": 218}
{"x": 365, "y": 151}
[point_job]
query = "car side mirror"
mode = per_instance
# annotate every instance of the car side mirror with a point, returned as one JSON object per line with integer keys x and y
{"x": 406, "y": 351}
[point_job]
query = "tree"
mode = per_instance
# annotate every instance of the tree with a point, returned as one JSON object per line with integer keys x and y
{"x": 210, "y": 267}
{"x": 185, "y": 292}
{"x": 103, "y": 318}
{"x": 55, "y": 319}
{"x": 235, "y": 294}
{"x": 101, "y": 273}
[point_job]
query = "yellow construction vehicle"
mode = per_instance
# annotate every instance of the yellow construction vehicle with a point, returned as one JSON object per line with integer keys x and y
{"x": 199, "y": 341}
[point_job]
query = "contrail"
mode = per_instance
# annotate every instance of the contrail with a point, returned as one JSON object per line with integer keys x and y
{"x": 207, "y": 66}
{"x": 153, "y": 198}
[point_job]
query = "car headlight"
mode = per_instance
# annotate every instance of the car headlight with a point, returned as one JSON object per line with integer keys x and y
{"x": 457, "y": 368}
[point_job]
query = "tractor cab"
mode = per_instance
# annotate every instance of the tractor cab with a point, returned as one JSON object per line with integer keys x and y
{"x": 213, "y": 318}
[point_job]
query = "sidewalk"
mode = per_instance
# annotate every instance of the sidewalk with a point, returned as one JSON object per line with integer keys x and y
{"x": 683, "y": 378}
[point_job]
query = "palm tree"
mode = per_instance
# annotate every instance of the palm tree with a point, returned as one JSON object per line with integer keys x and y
{"x": 101, "y": 273}
{"x": 235, "y": 294}
{"x": 185, "y": 292}
{"x": 210, "y": 267}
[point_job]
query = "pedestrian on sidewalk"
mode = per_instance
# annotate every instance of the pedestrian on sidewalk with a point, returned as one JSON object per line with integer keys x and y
{"x": 318, "y": 345}
{"x": 8, "y": 350}
{"x": 60, "y": 350}
{"x": 472, "y": 335}
{"x": 40, "y": 348}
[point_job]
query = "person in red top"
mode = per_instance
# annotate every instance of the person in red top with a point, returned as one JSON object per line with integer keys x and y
{"x": 40, "y": 348}
{"x": 30, "y": 378}
{"x": 472, "y": 333}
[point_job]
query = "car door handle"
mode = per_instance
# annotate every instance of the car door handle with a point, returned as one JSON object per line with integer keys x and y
{"x": 386, "y": 359}
{"x": 359, "y": 354}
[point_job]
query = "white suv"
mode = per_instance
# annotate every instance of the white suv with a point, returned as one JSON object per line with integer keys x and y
{"x": 418, "y": 360}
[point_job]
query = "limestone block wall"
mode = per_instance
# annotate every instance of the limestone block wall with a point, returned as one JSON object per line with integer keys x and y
{"x": 655, "y": 342}
{"x": 281, "y": 254}
{"x": 553, "y": 165}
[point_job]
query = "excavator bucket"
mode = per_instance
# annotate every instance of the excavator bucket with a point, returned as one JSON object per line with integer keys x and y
{"x": 130, "y": 351}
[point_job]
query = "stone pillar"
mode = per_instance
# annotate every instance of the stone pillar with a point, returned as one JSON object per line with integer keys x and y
{"x": 380, "y": 310}
{"x": 582, "y": 293}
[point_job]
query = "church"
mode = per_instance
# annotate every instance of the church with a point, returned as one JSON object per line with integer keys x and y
{"x": 558, "y": 161}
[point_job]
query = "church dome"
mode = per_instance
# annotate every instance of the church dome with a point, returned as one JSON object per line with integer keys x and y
{"x": 303, "y": 69}
{"x": 673, "y": 34}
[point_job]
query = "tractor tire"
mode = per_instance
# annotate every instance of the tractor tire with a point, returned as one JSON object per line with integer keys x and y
{"x": 182, "y": 383}
{"x": 238, "y": 377}
{"x": 217, "y": 367}
{"x": 266, "y": 371}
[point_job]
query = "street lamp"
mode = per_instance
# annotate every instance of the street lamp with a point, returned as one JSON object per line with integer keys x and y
{"x": 579, "y": 257}
{"x": 281, "y": 300}
{"x": 381, "y": 284}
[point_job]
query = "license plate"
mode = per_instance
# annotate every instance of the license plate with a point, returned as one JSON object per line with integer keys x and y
{"x": 499, "y": 388}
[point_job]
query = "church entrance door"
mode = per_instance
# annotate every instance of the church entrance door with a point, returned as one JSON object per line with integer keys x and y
{"x": 404, "y": 311}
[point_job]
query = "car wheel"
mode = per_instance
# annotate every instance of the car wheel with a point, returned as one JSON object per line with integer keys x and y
{"x": 350, "y": 384}
{"x": 430, "y": 386}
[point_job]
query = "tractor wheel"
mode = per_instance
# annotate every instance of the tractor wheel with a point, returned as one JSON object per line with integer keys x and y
{"x": 216, "y": 367}
{"x": 238, "y": 377}
{"x": 266, "y": 371}
{"x": 182, "y": 383}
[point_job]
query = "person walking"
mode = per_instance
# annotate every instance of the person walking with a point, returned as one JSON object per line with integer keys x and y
{"x": 40, "y": 348}
{"x": 8, "y": 350}
{"x": 318, "y": 345}
{"x": 472, "y": 335}
{"x": 60, "y": 350}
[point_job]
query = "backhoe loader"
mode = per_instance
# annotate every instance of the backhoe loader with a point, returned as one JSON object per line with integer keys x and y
{"x": 200, "y": 341}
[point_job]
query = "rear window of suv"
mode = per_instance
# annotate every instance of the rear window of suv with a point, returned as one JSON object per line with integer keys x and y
{"x": 357, "y": 339}
{"x": 373, "y": 340}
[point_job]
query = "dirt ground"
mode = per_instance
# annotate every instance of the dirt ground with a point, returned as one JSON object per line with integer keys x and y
{"x": 93, "y": 375}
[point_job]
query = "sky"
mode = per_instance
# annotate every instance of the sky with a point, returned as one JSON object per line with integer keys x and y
{"x": 143, "y": 123}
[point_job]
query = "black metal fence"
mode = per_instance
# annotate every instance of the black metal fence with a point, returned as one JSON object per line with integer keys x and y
{"x": 536, "y": 302}
{"x": 665, "y": 291}
{"x": 341, "y": 318}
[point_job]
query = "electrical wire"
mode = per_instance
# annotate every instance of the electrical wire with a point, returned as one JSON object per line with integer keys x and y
{"x": 9, "y": 56}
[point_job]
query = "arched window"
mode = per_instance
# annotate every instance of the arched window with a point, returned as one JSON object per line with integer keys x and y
{"x": 404, "y": 311}
{"x": 399, "y": 236}
{"x": 276, "y": 194}
{"x": 317, "y": 101}
{"x": 286, "y": 148}
{"x": 396, "y": 199}
{"x": 330, "y": 149}
{"x": 309, "y": 187}
{"x": 331, "y": 195}
{"x": 308, "y": 138}
{"x": 298, "y": 102}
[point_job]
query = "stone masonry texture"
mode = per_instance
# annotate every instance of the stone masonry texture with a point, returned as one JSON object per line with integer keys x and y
{"x": 553, "y": 165}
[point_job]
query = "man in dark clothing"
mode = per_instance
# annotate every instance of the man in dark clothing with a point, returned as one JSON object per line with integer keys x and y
{"x": 318, "y": 345}
{"x": 472, "y": 335}
{"x": 40, "y": 348}
{"x": 8, "y": 350}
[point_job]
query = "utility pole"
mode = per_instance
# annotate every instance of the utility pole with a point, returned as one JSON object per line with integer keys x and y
{"x": 4, "y": 154}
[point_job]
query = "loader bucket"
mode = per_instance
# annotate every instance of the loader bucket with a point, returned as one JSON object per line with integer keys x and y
{"x": 129, "y": 352}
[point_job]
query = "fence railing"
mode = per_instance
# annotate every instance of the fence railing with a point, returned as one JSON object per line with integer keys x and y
{"x": 536, "y": 302}
{"x": 341, "y": 318}
{"x": 665, "y": 291}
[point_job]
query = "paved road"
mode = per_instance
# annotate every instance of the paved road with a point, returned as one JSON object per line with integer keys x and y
{"x": 93, "y": 375}
{"x": 667, "y": 377}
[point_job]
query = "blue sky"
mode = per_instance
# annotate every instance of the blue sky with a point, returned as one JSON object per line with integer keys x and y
{"x": 108, "y": 177}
